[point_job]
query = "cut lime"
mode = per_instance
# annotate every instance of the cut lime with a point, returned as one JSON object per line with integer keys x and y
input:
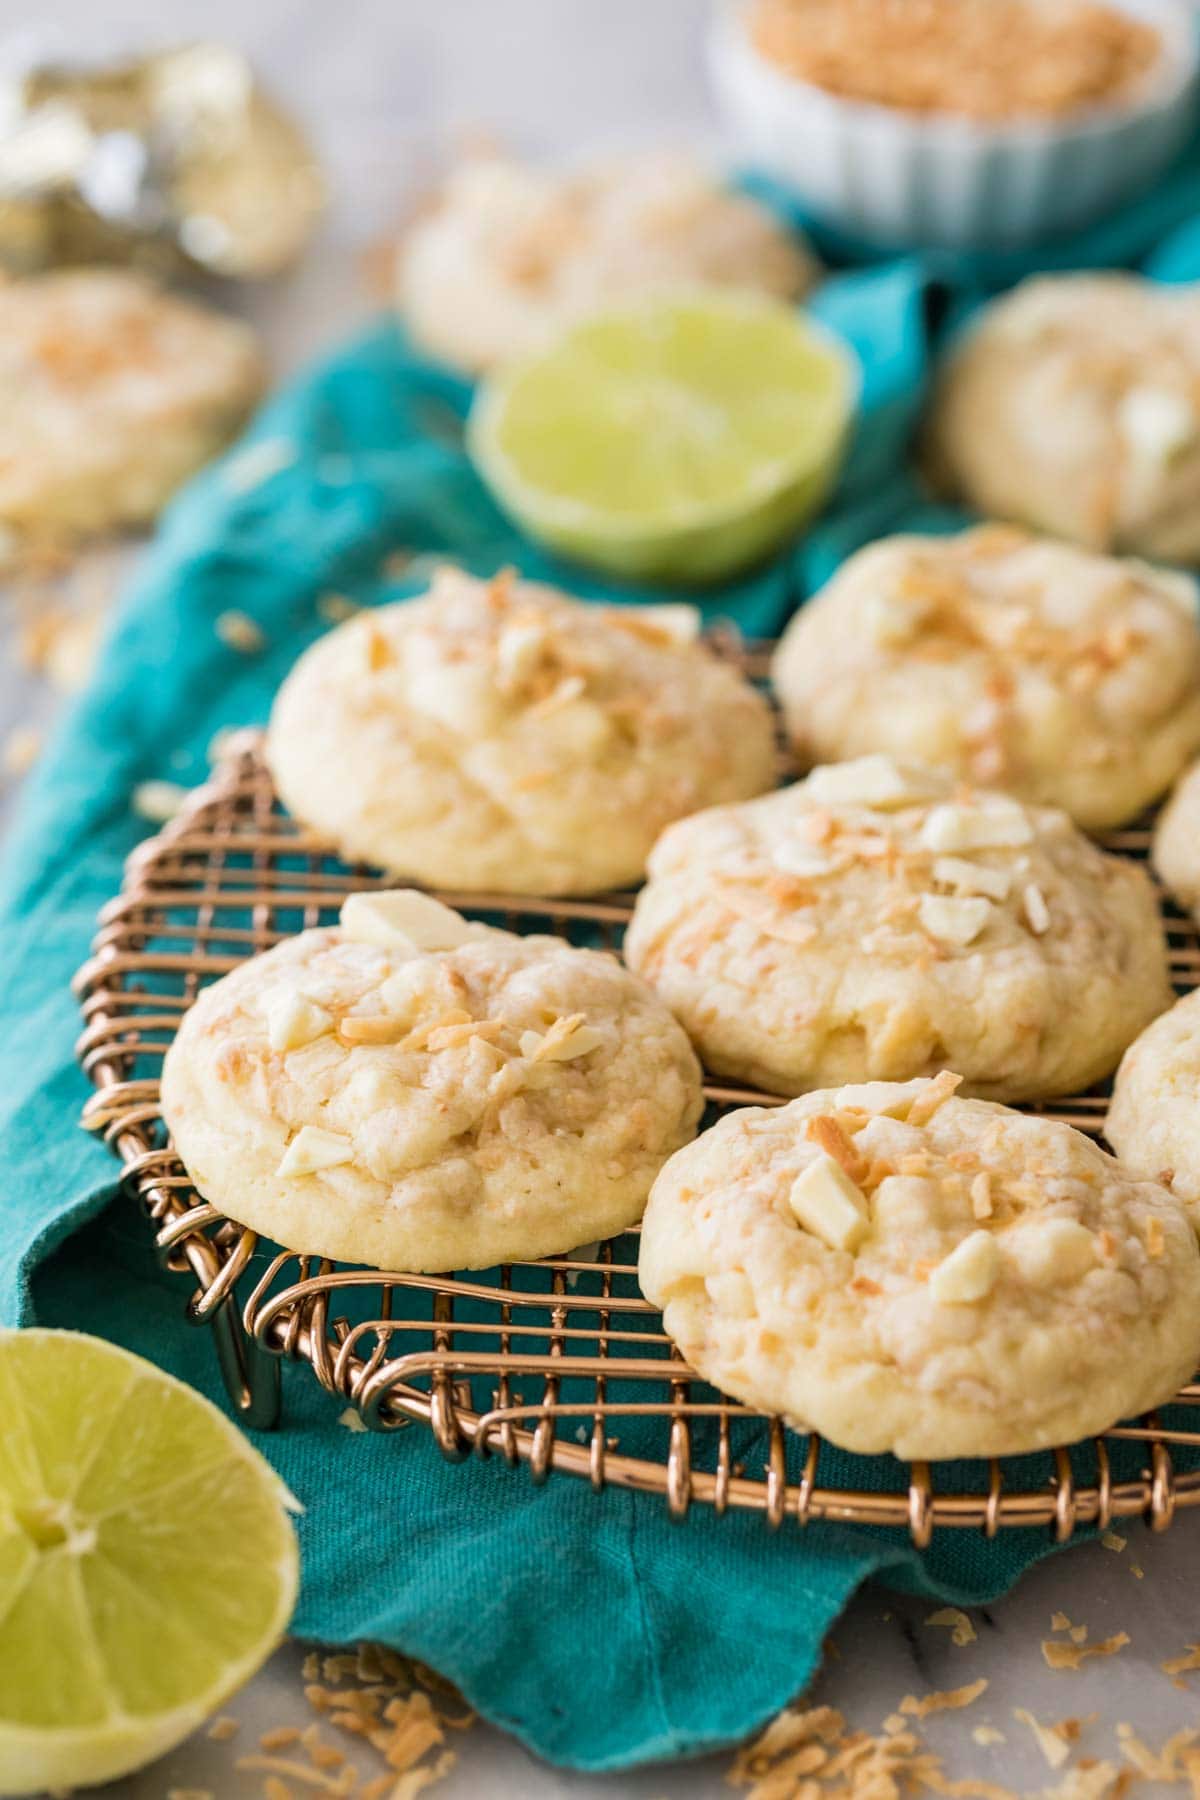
{"x": 677, "y": 440}
{"x": 147, "y": 1565}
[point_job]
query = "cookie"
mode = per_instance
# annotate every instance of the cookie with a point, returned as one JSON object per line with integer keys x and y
{"x": 900, "y": 1269}
{"x": 509, "y": 252}
{"x": 874, "y": 922}
{"x": 412, "y": 1091}
{"x": 1073, "y": 405}
{"x": 1154, "y": 1116}
{"x": 1175, "y": 851}
{"x": 115, "y": 392}
{"x": 1065, "y": 678}
{"x": 497, "y": 735}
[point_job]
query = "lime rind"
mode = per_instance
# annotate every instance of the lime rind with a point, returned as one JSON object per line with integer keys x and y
{"x": 147, "y": 1566}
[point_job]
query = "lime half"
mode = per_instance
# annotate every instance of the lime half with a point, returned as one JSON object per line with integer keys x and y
{"x": 676, "y": 441}
{"x": 147, "y": 1565}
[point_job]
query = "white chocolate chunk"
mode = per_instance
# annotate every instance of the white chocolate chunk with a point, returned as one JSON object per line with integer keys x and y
{"x": 996, "y": 823}
{"x": 872, "y": 781}
{"x": 405, "y": 920}
{"x": 294, "y": 1020}
{"x": 804, "y": 859}
{"x": 576, "y": 731}
{"x": 892, "y": 1099}
{"x": 827, "y": 1203}
{"x": 566, "y": 1039}
{"x": 731, "y": 1294}
{"x": 953, "y": 921}
{"x": 1156, "y": 423}
{"x": 313, "y": 1148}
{"x": 970, "y": 878}
{"x": 968, "y": 1273}
{"x": 1037, "y": 913}
{"x": 889, "y": 620}
{"x": 1049, "y": 1251}
{"x": 519, "y": 649}
{"x": 676, "y": 619}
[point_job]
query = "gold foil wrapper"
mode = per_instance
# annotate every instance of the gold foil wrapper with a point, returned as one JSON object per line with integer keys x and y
{"x": 177, "y": 159}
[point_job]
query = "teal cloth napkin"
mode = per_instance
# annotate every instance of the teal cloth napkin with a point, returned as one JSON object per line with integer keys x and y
{"x": 590, "y": 1625}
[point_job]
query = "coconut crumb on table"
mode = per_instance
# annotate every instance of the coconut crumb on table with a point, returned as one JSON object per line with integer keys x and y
{"x": 962, "y": 1632}
{"x": 1071, "y": 1656}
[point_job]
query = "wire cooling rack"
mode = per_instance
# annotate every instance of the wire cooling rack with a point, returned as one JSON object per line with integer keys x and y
{"x": 561, "y": 1364}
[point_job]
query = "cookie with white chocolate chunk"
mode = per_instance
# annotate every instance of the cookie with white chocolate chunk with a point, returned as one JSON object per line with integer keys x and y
{"x": 1065, "y": 678}
{"x": 498, "y": 735}
{"x": 1072, "y": 405}
{"x": 901, "y": 1269}
{"x": 414, "y": 1091}
{"x": 877, "y": 921}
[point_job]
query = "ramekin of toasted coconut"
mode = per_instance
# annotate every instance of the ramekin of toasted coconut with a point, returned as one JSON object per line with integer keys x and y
{"x": 981, "y": 124}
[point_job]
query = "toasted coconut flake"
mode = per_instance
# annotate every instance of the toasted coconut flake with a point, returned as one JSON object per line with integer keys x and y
{"x": 981, "y": 1195}
{"x": 1180, "y": 1665}
{"x": 1058, "y": 1655}
{"x": 962, "y": 1632}
{"x": 827, "y": 1131}
{"x": 1050, "y": 1740}
{"x": 946, "y": 1700}
{"x": 1112, "y": 1540}
{"x": 240, "y": 632}
{"x": 930, "y": 1098}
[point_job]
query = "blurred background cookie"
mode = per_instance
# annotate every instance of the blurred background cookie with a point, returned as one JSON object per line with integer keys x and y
{"x": 875, "y": 922}
{"x": 1175, "y": 852}
{"x": 1154, "y": 1119}
{"x": 1066, "y": 678}
{"x": 509, "y": 251}
{"x": 1073, "y": 405}
{"x": 115, "y": 392}
{"x": 499, "y": 735}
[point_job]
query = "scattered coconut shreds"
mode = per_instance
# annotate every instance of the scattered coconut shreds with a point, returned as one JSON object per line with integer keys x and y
{"x": 1059, "y": 1622}
{"x": 1050, "y": 1739}
{"x": 190, "y": 1794}
{"x": 962, "y": 1632}
{"x": 987, "y": 1734}
{"x": 335, "y": 609}
{"x": 157, "y": 801}
{"x": 1169, "y": 1764}
{"x": 1070, "y": 1656}
{"x": 223, "y": 1728}
{"x": 381, "y": 1701}
{"x": 1179, "y": 1665}
{"x": 239, "y": 631}
{"x": 1137, "y": 1571}
{"x": 1112, "y": 1540}
{"x": 21, "y": 749}
{"x": 352, "y": 1419}
{"x": 947, "y": 1700}
{"x": 1098, "y": 1781}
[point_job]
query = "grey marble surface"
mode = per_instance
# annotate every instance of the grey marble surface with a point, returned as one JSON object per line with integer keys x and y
{"x": 385, "y": 89}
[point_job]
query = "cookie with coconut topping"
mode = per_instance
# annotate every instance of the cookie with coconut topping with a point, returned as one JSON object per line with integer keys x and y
{"x": 876, "y": 922}
{"x": 901, "y": 1269}
{"x": 413, "y": 1091}
{"x": 1154, "y": 1115}
{"x": 498, "y": 735}
{"x": 1073, "y": 405}
{"x": 1065, "y": 678}
{"x": 1175, "y": 851}
{"x": 508, "y": 252}
{"x": 115, "y": 392}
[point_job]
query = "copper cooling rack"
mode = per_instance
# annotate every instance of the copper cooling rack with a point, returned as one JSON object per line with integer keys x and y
{"x": 548, "y": 1363}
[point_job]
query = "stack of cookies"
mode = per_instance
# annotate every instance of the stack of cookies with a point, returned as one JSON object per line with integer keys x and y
{"x": 911, "y": 939}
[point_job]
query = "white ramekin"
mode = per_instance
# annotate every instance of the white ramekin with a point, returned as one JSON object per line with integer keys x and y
{"x": 899, "y": 179}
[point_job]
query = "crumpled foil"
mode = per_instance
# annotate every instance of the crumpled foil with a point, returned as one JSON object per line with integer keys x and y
{"x": 176, "y": 159}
